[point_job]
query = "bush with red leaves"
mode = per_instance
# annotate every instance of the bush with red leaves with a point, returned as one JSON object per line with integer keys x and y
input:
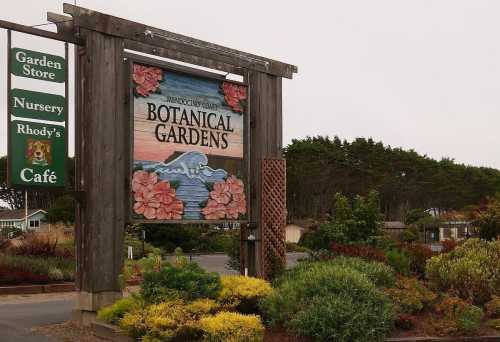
{"x": 15, "y": 276}
{"x": 43, "y": 246}
{"x": 418, "y": 254}
{"x": 448, "y": 245}
{"x": 361, "y": 251}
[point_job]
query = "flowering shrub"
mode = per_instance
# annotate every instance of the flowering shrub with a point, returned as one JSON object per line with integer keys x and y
{"x": 187, "y": 280}
{"x": 235, "y": 96}
{"x": 147, "y": 79}
{"x": 243, "y": 293}
{"x": 231, "y": 327}
{"x": 472, "y": 270}
{"x": 361, "y": 251}
{"x": 155, "y": 199}
{"x": 226, "y": 200}
{"x": 463, "y": 316}
{"x": 410, "y": 296}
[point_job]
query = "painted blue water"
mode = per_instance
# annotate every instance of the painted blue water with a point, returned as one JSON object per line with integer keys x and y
{"x": 192, "y": 172}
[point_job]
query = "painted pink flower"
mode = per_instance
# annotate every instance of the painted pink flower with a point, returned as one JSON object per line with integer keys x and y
{"x": 221, "y": 193}
{"x": 143, "y": 181}
{"x": 155, "y": 199}
{"x": 214, "y": 210}
{"x": 147, "y": 79}
{"x": 146, "y": 204}
{"x": 171, "y": 211}
{"x": 234, "y": 95}
{"x": 226, "y": 200}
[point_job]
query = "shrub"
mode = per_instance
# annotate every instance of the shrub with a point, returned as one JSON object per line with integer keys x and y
{"x": 405, "y": 322}
{"x": 399, "y": 261}
{"x": 23, "y": 268}
{"x": 113, "y": 313}
{"x": 55, "y": 274}
{"x": 465, "y": 317}
{"x": 493, "y": 307}
{"x": 449, "y": 245}
{"x": 494, "y": 323}
{"x": 410, "y": 234}
{"x": 231, "y": 327}
{"x": 188, "y": 281}
{"x": 233, "y": 251}
{"x": 410, "y": 296}
{"x": 306, "y": 301}
{"x": 418, "y": 255}
{"x": 243, "y": 293}
{"x": 360, "y": 251}
{"x": 14, "y": 276}
{"x": 378, "y": 273}
{"x": 36, "y": 245}
{"x": 173, "y": 320}
{"x": 472, "y": 270}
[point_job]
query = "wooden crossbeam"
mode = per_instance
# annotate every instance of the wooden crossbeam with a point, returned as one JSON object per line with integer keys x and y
{"x": 40, "y": 33}
{"x": 144, "y": 34}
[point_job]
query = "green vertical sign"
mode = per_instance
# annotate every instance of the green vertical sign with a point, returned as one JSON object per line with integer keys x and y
{"x": 37, "y": 121}
{"x": 37, "y": 65}
{"x": 37, "y": 154}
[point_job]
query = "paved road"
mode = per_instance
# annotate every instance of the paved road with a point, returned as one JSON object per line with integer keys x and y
{"x": 17, "y": 318}
{"x": 19, "y": 314}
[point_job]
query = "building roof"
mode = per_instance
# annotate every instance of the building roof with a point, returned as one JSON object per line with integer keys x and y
{"x": 394, "y": 225}
{"x": 17, "y": 214}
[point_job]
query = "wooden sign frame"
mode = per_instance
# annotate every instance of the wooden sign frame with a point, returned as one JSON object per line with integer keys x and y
{"x": 168, "y": 66}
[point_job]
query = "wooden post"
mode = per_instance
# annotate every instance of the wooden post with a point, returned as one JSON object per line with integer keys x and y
{"x": 265, "y": 142}
{"x": 102, "y": 138}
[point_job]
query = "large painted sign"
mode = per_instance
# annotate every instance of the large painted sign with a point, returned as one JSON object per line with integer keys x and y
{"x": 37, "y": 121}
{"x": 188, "y": 151}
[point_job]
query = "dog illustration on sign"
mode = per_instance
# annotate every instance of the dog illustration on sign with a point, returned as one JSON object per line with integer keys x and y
{"x": 39, "y": 152}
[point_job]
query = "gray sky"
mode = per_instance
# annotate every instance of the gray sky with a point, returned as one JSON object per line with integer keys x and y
{"x": 421, "y": 74}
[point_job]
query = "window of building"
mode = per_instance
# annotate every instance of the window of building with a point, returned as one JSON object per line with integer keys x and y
{"x": 35, "y": 224}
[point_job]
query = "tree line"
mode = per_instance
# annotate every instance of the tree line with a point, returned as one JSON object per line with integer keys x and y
{"x": 320, "y": 167}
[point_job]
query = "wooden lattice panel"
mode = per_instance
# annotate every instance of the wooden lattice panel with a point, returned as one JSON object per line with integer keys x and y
{"x": 273, "y": 214}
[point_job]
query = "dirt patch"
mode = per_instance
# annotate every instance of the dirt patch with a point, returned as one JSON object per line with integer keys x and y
{"x": 280, "y": 335}
{"x": 69, "y": 332}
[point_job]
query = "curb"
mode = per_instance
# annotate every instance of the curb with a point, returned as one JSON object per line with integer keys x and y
{"x": 34, "y": 289}
{"x": 445, "y": 339}
{"x": 111, "y": 332}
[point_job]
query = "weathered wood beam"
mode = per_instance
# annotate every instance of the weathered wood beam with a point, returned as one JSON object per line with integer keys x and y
{"x": 180, "y": 56}
{"x": 141, "y": 33}
{"x": 38, "y": 32}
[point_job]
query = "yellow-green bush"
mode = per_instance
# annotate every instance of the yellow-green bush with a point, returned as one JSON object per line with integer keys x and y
{"x": 243, "y": 293}
{"x": 170, "y": 320}
{"x": 410, "y": 296}
{"x": 472, "y": 270}
{"x": 115, "y": 312}
{"x": 231, "y": 327}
